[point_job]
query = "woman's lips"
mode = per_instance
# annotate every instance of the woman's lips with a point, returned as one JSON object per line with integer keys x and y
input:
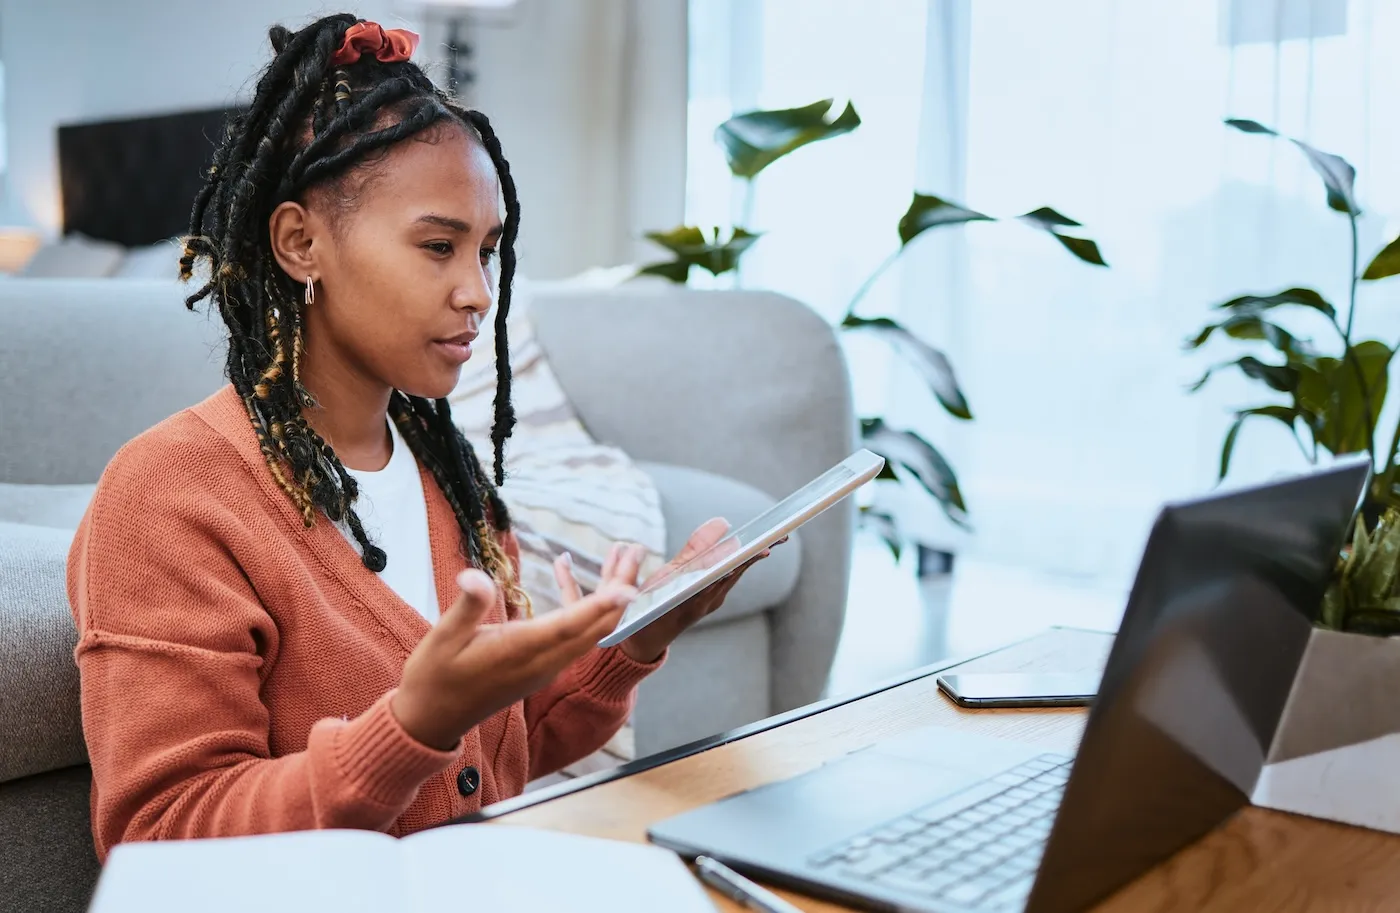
{"x": 454, "y": 350}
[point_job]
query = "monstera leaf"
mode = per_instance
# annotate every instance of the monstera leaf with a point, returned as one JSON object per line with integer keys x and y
{"x": 755, "y": 140}
{"x": 1048, "y": 220}
{"x": 926, "y": 211}
{"x": 919, "y": 458}
{"x": 933, "y": 366}
{"x": 1336, "y": 172}
{"x": 692, "y": 248}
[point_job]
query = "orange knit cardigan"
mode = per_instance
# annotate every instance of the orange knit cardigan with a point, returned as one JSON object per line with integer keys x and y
{"x": 236, "y": 666}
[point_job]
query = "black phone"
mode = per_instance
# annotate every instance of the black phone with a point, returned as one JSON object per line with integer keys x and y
{"x": 1020, "y": 689}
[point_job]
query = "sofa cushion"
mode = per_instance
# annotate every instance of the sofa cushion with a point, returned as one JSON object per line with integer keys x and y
{"x": 74, "y": 256}
{"x": 54, "y": 506}
{"x": 47, "y": 860}
{"x": 40, "y": 723}
{"x": 689, "y": 497}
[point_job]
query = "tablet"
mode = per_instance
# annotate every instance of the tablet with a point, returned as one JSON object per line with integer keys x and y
{"x": 669, "y": 589}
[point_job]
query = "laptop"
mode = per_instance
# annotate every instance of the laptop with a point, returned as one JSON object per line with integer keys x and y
{"x": 1193, "y": 690}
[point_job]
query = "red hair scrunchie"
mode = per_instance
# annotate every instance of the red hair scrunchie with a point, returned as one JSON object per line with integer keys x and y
{"x": 388, "y": 46}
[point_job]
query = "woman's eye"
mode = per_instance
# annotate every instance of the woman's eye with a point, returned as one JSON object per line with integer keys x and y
{"x": 487, "y": 253}
{"x": 442, "y": 248}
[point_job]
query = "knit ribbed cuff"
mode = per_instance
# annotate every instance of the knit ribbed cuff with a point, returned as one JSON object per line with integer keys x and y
{"x": 609, "y": 674}
{"x": 387, "y": 764}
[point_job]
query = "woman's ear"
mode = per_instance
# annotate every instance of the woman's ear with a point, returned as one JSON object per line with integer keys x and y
{"x": 294, "y": 233}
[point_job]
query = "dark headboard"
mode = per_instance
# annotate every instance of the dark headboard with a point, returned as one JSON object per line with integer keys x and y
{"x": 133, "y": 181}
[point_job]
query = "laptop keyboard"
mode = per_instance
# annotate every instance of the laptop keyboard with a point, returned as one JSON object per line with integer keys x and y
{"x": 979, "y": 848}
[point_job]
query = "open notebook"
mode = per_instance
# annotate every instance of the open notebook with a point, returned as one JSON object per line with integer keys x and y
{"x": 500, "y": 868}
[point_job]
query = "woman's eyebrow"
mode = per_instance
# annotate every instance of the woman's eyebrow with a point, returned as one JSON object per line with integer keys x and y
{"x": 445, "y": 222}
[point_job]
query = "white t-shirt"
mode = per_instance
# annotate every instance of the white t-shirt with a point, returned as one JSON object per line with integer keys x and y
{"x": 394, "y": 511}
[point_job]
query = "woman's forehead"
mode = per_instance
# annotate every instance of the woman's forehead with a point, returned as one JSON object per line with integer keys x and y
{"x": 447, "y": 170}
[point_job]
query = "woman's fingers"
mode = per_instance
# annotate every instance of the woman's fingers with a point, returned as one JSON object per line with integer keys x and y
{"x": 708, "y": 533}
{"x": 629, "y": 565}
{"x": 610, "y": 563}
{"x": 478, "y": 594}
{"x": 564, "y": 576}
{"x": 586, "y": 623}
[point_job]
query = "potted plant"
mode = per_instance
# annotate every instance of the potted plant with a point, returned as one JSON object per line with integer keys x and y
{"x": 753, "y": 141}
{"x": 1338, "y": 745}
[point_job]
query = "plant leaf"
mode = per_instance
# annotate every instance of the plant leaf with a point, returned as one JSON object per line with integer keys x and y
{"x": 1284, "y": 414}
{"x": 1333, "y": 613}
{"x": 680, "y": 239}
{"x": 1336, "y": 172}
{"x": 1255, "y": 304}
{"x": 922, "y": 460}
{"x": 885, "y": 526}
{"x": 756, "y": 139}
{"x": 1382, "y": 623}
{"x": 1082, "y": 248}
{"x": 1337, "y": 176}
{"x": 1049, "y": 219}
{"x": 1328, "y": 388}
{"x": 933, "y": 366}
{"x": 927, "y": 212}
{"x": 678, "y": 271}
{"x": 1248, "y": 324}
{"x": 1282, "y": 378}
{"x": 692, "y": 248}
{"x": 1385, "y": 558}
{"x": 1386, "y": 263}
{"x": 1249, "y": 126}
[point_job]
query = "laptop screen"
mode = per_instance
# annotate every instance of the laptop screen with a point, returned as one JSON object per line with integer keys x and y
{"x": 1193, "y": 691}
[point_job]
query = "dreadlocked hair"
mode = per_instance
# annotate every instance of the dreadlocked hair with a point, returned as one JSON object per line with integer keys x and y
{"x": 311, "y": 125}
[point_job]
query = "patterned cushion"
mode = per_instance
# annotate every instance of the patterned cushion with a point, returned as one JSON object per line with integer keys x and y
{"x": 565, "y": 490}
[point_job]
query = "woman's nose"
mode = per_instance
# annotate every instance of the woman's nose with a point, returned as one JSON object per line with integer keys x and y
{"x": 473, "y": 294}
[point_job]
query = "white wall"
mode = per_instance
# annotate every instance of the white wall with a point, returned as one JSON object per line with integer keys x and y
{"x": 589, "y": 97}
{"x": 74, "y": 60}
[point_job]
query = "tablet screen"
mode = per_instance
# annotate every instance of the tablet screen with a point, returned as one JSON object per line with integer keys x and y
{"x": 668, "y": 584}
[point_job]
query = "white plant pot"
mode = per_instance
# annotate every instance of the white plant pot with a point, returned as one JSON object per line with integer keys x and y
{"x": 1336, "y": 753}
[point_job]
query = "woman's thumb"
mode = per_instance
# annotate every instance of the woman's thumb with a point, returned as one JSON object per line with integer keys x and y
{"x": 478, "y": 595}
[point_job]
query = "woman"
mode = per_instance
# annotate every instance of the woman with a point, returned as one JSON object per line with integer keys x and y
{"x": 254, "y": 655}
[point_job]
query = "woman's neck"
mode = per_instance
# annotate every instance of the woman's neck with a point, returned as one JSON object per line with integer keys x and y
{"x": 351, "y": 411}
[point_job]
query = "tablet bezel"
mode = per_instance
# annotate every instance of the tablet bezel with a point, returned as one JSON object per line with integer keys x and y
{"x": 864, "y": 464}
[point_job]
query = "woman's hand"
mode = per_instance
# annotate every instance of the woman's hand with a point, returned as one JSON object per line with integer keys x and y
{"x": 650, "y": 642}
{"x": 464, "y": 671}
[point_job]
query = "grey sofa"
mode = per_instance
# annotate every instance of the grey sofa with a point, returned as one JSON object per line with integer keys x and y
{"x": 727, "y": 398}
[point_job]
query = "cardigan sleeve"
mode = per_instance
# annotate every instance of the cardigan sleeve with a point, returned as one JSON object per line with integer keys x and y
{"x": 586, "y": 705}
{"x": 173, "y": 646}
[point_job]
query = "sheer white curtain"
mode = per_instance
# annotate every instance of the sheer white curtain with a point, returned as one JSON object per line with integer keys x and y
{"x": 1109, "y": 110}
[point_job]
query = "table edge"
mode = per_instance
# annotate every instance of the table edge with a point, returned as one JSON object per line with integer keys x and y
{"x": 640, "y": 765}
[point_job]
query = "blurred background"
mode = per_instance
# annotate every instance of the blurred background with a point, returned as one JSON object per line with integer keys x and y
{"x": 1074, "y": 374}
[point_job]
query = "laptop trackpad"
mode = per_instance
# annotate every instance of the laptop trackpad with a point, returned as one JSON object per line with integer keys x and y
{"x": 785, "y": 822}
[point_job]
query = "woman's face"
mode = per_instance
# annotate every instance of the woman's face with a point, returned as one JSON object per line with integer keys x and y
{"x": 407, "y": 272}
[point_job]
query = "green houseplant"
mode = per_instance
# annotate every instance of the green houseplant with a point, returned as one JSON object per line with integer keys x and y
{"x": 1331, "y": 396}
{"x": 755, "y": 140}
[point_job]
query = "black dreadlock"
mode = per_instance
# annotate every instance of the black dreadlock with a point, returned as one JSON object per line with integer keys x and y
{"x": 310, "y": 126}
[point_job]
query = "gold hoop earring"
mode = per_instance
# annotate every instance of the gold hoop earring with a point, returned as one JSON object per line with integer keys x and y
{"x": 310, "y": 291}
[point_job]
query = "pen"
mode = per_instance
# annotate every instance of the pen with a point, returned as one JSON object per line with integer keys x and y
{"x": 739, "y": 889}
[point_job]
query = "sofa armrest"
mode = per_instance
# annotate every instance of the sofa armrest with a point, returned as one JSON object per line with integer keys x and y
{"x": 750, "y": 385}
{"x": 88, "y": 364}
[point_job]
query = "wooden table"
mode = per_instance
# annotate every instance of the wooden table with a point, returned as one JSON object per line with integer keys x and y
{"x": 1259, "y": 860}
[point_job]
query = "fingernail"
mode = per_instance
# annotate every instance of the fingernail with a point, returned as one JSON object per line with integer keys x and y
{"x": 568, "y": 559}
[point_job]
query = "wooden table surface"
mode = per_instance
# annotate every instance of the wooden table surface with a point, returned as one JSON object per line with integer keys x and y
{"x": 1257, "y": 861}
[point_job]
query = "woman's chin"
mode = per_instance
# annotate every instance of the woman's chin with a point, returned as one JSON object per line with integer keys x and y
{"x": 435, "y": 387}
